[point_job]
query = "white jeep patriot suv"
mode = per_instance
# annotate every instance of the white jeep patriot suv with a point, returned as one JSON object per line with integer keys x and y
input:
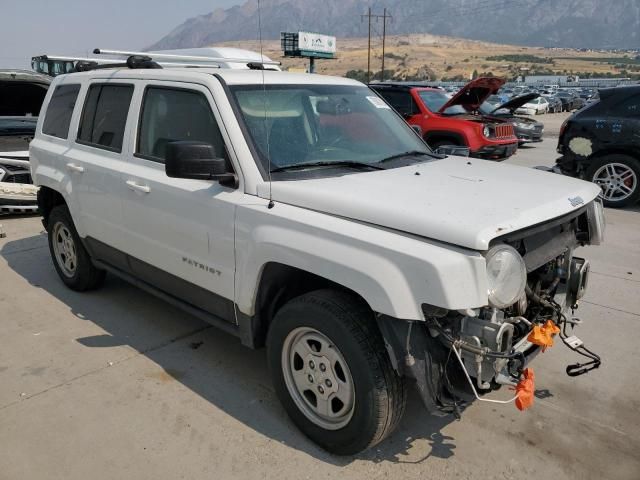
{"x": 302, "y": 213}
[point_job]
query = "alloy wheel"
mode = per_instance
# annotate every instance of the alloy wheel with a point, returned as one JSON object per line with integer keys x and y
{"x": 617, "y": 180}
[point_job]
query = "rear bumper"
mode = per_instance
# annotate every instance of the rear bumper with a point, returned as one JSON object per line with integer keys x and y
{"x": 495, "y": 152}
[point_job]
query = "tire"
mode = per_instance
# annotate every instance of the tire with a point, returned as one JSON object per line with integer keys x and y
{"x": 70, "y": 259}
{"x": 331, "y": 327}
{"x": 619, "y": 177}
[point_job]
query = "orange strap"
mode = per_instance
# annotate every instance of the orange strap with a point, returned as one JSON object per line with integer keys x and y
{"x": 543, "y": 335}
{"x": 525, "y": 390}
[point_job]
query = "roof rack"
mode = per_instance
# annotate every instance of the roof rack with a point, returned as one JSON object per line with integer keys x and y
{"x": 171, "y": 57}
{"x": 142, "y": 60}
{"x": 83, "y": 64}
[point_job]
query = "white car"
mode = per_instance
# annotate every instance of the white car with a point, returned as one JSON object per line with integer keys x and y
{"x": 302, "y": 213}
{"x": 534, "y": 107}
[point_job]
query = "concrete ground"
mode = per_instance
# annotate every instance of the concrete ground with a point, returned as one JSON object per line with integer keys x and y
{"x": 117, "y": 384}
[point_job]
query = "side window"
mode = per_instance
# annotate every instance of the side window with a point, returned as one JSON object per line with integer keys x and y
{"x": 628, "y": 107}
{"x": 58, "y": 116}
{"x": 402, "y": 102}
{"x": 170, "y": 115}
{"x": 105, "y": 116}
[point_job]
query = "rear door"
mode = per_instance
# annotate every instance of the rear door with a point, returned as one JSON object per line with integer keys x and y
{"x": 95, "y": 161}
{"x": 180, "y": 232}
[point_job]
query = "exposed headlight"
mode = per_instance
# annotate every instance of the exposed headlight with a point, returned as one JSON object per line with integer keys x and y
{"x": 506, "y": 276}
{"x": 597, "y": 224}
{"x": 526, "y": 126}
{"x": 486, "y": 131}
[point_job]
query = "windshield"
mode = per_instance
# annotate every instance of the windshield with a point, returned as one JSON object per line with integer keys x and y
{"x": 303, "y": 124}
{"x": 434, "y": 101}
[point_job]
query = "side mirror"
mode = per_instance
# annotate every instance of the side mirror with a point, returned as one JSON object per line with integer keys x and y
{"x": 196, "y": 160}
{"x": 417, "y": 129}
{"x": 453, "y": 150}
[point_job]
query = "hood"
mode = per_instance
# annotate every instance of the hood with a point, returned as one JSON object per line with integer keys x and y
{"x": 515, "y": 103}
{"x": 474, "y": 93}
{"x": 455, "y": 200}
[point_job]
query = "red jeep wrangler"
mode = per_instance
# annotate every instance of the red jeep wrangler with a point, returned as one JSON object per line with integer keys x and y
{"x": 455, "y": 120}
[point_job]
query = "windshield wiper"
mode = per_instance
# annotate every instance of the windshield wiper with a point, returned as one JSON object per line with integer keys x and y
{"x": 348, "y": 164}
{"x": 412, "y": 153}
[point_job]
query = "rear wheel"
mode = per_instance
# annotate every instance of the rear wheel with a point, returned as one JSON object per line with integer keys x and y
{"x": 619, "y": 178}
{"x": 332, "y": 373}
{"x": 70, "y": 259}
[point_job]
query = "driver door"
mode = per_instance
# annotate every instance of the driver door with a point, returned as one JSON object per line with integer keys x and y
{"x": 181, "y": 231}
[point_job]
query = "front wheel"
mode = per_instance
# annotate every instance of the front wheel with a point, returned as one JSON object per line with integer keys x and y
{"x": 332, "y": 372}
{"x": 619, "y": 178}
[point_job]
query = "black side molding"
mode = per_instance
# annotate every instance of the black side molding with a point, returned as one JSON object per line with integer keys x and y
{"x": 196, "y": 312}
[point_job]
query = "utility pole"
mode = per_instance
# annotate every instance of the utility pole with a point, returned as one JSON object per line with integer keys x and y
{"x": 384, "y": 17}
{"x": 384, "y": 36}
{"x": 368, "y": 15}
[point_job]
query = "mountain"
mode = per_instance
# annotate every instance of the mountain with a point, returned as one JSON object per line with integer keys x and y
{"x": 562, "y": 23}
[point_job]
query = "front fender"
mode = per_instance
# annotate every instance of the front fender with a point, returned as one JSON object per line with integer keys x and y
{"x": 394, "y": 272}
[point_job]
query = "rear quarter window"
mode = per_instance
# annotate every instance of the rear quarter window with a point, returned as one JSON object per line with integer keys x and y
{"x": 626, "y": 107}
{"x": 58, "y": 115}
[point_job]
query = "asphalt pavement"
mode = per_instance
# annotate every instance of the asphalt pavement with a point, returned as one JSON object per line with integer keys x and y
{"x": 117, "y": 384}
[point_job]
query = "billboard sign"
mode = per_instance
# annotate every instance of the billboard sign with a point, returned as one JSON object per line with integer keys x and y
{"x": 315, "y": 42}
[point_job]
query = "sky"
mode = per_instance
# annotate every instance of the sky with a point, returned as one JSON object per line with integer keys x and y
{"x": 75, "y": 27}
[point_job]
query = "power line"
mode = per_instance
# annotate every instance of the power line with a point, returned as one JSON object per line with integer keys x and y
{"x": 384, "y": 36}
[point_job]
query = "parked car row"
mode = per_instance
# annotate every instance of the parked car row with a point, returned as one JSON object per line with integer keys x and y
{"x": 557, "y": 99}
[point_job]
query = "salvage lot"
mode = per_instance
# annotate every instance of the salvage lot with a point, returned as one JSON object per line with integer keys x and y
{"x": 118, "y": 384}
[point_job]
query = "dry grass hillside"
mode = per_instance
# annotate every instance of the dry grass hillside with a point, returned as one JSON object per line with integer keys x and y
{"x": 428, "y": 56}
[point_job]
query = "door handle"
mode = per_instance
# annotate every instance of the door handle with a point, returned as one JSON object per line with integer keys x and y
{"x": 75, "y": 168}
{"x": 137, "y": 187}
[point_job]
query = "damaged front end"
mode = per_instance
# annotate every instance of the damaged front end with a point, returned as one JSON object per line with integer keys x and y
{"x": 458, "y": 356}
{"x": 17, "y": 193}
